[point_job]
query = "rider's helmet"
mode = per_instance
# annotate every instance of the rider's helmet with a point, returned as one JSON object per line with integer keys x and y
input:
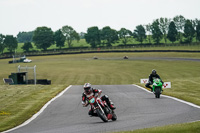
{"x": 154, "y": 72}
{"x": 87, "y": 87}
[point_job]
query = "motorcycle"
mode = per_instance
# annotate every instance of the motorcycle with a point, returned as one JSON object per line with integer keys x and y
{"x": 102, "y": 109}
{"x": 157, "y": 87}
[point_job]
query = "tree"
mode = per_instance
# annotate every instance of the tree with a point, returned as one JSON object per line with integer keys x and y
{"x": 11, "y": 43}
{"x": 82, "y": 35}
{"x": 179, "y": 22}
{"x": 124, "y": 35}
{"x": 76, "y": 36}
{"x": 188, "y": 31}
{"x": 70, "y": 35}
{"x": 172, "y": 32}
{"x": 164, "y": 24}
{"x": 148, "y": 29}
{"x": 139, "y": 33}
{"x": 93, "y": 36}
{"x": 27, "y": 46}
{"x": 23, "y": 37}
{"x": 195, "y": 24}
{"x": 156, "y": 32}
{"x": 2, "y": 44}
{"x": 198, "y": 30}
{"x": 43, "y": 37}
{"x": 109, "y": 36}
{"x": 59, "y": 38}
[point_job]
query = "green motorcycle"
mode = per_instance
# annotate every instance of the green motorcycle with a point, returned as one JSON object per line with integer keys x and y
{"x": 157, "y": 87}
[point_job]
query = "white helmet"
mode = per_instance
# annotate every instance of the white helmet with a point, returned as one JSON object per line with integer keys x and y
{"x": 87, "y": 88}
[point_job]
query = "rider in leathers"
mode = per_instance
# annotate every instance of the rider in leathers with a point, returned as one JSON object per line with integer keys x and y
{"x": 89, "y": 91}
{"x": 152, "y": 76}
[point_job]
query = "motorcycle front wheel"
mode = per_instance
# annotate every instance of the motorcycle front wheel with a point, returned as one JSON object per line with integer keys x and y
{"x": 102, "y": 115}
{"x": 157, "y": 92}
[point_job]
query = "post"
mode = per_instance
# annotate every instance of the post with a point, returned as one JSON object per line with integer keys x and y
{"x": 13, "y": 59}
{"x": 35, "y": 74}
{"x": 26, "y": 78}
{"x": 27, "y": 75}
{"x": 19, "y": 68}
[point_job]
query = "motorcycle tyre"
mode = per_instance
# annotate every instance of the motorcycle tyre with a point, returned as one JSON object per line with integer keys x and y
{"x": 114, "y": 117}
{"x": 102, "y": 115}
{"x": 157, "y": 93}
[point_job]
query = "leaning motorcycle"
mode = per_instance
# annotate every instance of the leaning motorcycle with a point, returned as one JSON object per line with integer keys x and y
{"x": 102, "y": 109}
{"x": 157, "y": 87}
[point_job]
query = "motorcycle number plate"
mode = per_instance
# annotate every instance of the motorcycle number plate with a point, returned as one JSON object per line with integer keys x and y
{"x": 92, "y": 100}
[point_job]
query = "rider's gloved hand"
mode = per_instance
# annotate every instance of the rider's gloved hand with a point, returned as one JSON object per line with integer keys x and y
{"x": 96, "y": 95}
{"x": 85, "y": 104}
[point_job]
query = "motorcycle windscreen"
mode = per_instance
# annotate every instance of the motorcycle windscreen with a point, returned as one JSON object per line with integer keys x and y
{"x": 92, "y": 100}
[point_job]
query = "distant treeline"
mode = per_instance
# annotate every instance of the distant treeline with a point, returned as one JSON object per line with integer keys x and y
{"x": 175, "y": 29}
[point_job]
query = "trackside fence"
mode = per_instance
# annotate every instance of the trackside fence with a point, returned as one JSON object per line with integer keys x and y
{"x": 194, "y": 47}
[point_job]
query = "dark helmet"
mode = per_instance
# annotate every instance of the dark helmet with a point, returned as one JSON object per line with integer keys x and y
{"x": 154, "y": 72}
{"x": 87, "y": 87}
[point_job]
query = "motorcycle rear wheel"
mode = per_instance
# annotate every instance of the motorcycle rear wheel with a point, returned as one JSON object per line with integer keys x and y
{"x": 114, "y": 117}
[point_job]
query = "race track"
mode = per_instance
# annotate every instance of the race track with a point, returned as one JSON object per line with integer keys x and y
{"x": 136, "y": 109}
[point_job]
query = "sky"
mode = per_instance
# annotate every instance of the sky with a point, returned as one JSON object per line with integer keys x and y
{"x": 26, "y": 15}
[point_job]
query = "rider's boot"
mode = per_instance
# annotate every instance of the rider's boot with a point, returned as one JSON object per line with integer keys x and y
{"x": 91, "y": 113}
{"x": 151, "y": 89}
{"x": 109, "y": 102}
{"x": 112, "y": 106}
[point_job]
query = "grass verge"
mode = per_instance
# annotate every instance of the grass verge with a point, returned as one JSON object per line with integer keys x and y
{"x": 177, "y": 128}
{"x": 20, "y": 102}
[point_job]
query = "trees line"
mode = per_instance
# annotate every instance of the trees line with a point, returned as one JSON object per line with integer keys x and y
{"x": 43, "y": 37}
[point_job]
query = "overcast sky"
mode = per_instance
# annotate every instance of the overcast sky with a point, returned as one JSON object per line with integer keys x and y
{"x": 26, "y": 15}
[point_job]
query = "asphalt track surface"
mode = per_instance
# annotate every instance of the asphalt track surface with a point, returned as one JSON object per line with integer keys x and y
{"x": 155, "y": 58}
{"x": 135, "y": 108}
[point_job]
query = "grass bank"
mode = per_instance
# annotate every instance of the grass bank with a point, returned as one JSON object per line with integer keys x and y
{"x": 178, "y": 128}
{"x": 19, "y": 102}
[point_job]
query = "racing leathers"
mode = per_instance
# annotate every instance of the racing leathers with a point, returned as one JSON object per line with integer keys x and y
{"x": 95, "y": 92}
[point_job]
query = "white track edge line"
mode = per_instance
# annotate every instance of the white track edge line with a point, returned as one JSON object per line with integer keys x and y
{"x": 38, "y": 113}
{"x": 176, "y": 99}
{"x": 182, "y": 101}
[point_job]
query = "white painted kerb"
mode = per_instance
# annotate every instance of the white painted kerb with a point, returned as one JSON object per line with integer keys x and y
{"x": 38, "y": 113}
{"x": 188, "y": 103}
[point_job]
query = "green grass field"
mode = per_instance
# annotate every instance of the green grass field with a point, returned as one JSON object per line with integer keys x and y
{"x": 178, "y": 128}
{"x": 20, "y": 102}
